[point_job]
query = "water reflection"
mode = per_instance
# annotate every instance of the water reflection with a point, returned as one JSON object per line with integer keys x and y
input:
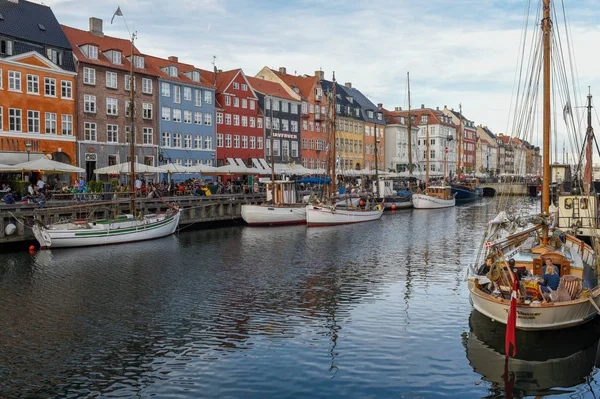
{"x": 547, "y": 363}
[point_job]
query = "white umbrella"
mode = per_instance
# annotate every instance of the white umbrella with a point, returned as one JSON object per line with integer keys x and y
{"x": 202, "y": 169}
{"x": 7, "y": 168}
{"x": 176, "y": 168}
{"x": 125, "y": 167}
{"x": 47, "y": 165}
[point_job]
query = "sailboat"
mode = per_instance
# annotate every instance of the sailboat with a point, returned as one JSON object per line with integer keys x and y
{"x": 435, "y": 197}
{"x": 467, "y": 189}
{"x": 320, "y": 214}
{"x": 123, "y": 229}
{"x": 282, "y": 206}
{"x": 575, "y": 302}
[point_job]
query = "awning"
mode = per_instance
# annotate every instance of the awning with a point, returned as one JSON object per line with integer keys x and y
{"x": 47, "y": 165}
{"x": 14, "y": 157}
{"x": 125, "y": 167}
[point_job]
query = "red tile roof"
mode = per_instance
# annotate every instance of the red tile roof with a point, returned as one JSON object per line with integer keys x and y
{"x": 78, "y": 37}
{"x": 269, "y": 88}
{"x": 305, "y": 84}
{"x": 433, "y": 116}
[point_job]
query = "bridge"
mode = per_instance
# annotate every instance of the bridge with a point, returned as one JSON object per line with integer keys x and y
{"x": 516, "y": 188}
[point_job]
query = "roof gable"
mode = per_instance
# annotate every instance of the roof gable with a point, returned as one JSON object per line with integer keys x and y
{"x": 270, "y": 88}
{"x": 33, "y": 58}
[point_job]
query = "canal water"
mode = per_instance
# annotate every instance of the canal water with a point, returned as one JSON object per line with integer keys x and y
{"x": 364, "y": 311}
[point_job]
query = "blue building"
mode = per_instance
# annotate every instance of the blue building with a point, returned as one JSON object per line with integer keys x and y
{"x": 186, "y": 112}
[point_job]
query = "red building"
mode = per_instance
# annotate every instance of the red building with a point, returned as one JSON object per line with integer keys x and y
{"x": 240, "y": 130}
{"x": 468, "y": 150}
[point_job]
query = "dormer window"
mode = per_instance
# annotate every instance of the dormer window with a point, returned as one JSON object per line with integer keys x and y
{"x": 402, "y": 120}
{"x": 424, "y": 119}
{"x": 6, "y": 47}
{"x": 92, "y": 52}
{"x": 116, "y": 57}
{"x": 54, "y": 56}
{"x": 138, "y": 62}
{"x": 379, "y": 116}
{"x": 370, "y": 114}
{"x": 349, "y": 99}
{"x": 297, "y": 90}
{"x": 195, "y": 76}
{"x": 358, "y": 112}
{"x": 173, "y": 71}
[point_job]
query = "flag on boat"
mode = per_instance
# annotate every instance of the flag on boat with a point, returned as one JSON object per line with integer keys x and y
{"x": 511, "y": 323}
{"x": 118, "y": 12}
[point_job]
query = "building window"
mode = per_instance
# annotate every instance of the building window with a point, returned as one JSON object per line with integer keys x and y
{"x": 198, "y": 142}
{"x": 111, "y": 80}
{"x": 236, "y": 85}
{"x": 138, "y": 61}
{"x": 177, "y": 94}
{"x": 166, "y": 139}
{"x": 276, "y": 152}
{"x": 112, "y": 106}
{"x": 173, "y": 71}
{"x": 219, "y": 140}
{"x": 146, "y": 86}
{"x": 6, "y": 47}
{"x": 244, "y": 121}
{"x": 165, "y": 89}
{"x": 50, "y": 123}
{"x": 236, "y": 102}
{"x": 187, "y": 141}
{"x": 127, "y": 80}
{"x": 252, "y": 104}
{"x": 260, "y": 143}
{"x": 228, "y": 119}
{"x": 89, "y": 131}
{"x": 14, "y": 120}
{"x": 284, "y": 106}
{"x": 66, "y": 89}
{"x": 147, "y": 111}
{"x": 305, "y": 144}
{"x": 228, "y": 140}
{"x": 244, "y": 87}
{"x": 14, "y": 81}
{"x": 177, "y": 140}
{"x": 33, "y": 121}
{"x": 244, "y": 141}
{"x": 116, "y": 57}
{"x": 54, "y": 56}
{"x": 198, "y": 97}
{"x": 252, "y": 142}
{"x": 89, "y": 104}
{"x": 285, "y": 127}
{"x": 195, "y": 76}
{"x": 89, "y": 76}
{"x": 166, "y": 113}
{"x": 112, "y": 133}
{"x": 259, "y": 123}
{"x": 275, "y": 105}
{"x": 187, "y": 93}
{"x": 33, "y": 84}
{"x": 67, "y": 125}
{"x": 219, "y": 118}
{"x": 92, "y": 52}
{"x": 198, "y": 118}
{"x": 187, "y": 117}
{"x": 148, "y": 135}
{"x": 208, "y": 119}
{"x": 252, "y": 121}
{"x": 236, "y": 141}
{"x": 228, "y": 101}
{"x": 176, "y": 115}
{"x": 208, "y": 142}
{"x": 208, "y": 97}
{"x": 236, "y": 120}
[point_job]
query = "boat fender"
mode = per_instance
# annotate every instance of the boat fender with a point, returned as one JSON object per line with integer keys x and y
{"x": 10, "y": 229}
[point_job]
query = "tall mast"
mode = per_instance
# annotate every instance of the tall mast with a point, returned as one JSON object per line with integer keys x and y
{"x": 546, "y": 28}
{"x": 410, "y": 163}
{"x": 132, "y": 128}
{"x": 587, "y": 174}
{"x": 460, "y": 137}
{"x": 272, "y": 140}
{"x": 427, "y": 156}
{"x": 333, "y": 117}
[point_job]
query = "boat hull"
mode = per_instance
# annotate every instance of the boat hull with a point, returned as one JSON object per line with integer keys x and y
{"x": 398, "y": 202}
{"x": 422, "y": 201}
{"x": 328, "y": 216}
{"x": 533, "y": 318}
{"x": 264, "y": 215}
{"x": 464, "y": 193}
{"x": 119, "y": 233}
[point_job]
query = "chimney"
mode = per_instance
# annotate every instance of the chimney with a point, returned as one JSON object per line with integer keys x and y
{"x": 452, "y": 109}
{"x": 348, "y": 85}
{"x": 173, "y": 59}
{"x": 422, "y": 106}
{"x": 219, "y": 70}
{"x": 282, "y": 71}
{"x": 96, "y": 27}
{"x": 320, "y": 74}
{"x": 437, "y": 108}
{"x": 379, "y": 105}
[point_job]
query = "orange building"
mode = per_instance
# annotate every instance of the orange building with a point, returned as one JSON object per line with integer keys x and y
{"x": 37, "y": 110}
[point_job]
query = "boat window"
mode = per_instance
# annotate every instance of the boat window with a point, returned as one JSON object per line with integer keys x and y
{"x": 583, "y": 203}
{"x": 568, "y": 203}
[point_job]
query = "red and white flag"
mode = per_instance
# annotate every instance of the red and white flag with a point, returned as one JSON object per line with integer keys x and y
{"x": 511, "y": 323}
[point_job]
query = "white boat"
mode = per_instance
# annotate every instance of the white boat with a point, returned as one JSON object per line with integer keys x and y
{"x": 283, "y": 211}
{"x": 124, "y": 229}
{"x": 434, "y": 198}
{"x": 330, "y": 215}
{"x": 577, "y": 296}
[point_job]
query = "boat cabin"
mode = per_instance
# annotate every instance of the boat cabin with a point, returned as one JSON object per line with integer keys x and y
{"x": 285, "y": 192}
{"x": 444, "y": 193}
{"x": 577, "y": 214}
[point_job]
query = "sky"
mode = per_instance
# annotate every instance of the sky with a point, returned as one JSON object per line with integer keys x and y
{"x": 457, "y": 51}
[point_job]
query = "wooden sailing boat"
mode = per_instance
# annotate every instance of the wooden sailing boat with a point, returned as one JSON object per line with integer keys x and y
{"x": 435, "y": 197}
{"x": 282, "y": 206}
{"x": 318, "y": 214}
{"x": 576, "y": 300}
{"x": 124, "y": 229}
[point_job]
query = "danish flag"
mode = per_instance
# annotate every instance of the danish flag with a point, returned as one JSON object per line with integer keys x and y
{"x": 511, "y": 323}
{"x": 488, "y": 245}
{"x": 446, "y": 150}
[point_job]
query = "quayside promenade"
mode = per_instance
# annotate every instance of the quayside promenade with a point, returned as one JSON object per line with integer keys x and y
{"x": 195, "y": 209}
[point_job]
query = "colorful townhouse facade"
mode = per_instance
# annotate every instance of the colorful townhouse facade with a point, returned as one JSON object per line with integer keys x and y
{"x": 37, "y": 86}
{"x": 186, "y": 112}
{"x": 239, "y": 120}
{"x": 103, "y": 100}
{"x": 281, "y": 110}
{"x": 397, "y": 143}
{"x": 467, "y": 136}
{"x": 489, "y": 148}
{"x": 314, "y": 113}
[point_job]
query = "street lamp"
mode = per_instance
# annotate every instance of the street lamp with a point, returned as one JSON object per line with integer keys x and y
{"x": 213, "y": 159}
{"x": 28, "y": 149}
{"x": 376, "y": 188}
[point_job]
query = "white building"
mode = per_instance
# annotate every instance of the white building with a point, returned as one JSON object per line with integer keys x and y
{"x": 396, "y": 139}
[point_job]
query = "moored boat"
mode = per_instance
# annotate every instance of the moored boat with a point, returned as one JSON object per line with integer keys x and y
{"x": 434, "y": 198}
{"x": 283, "y": 211}
{"x": 330, "y": 215}
{"x": 467, "y": 190}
